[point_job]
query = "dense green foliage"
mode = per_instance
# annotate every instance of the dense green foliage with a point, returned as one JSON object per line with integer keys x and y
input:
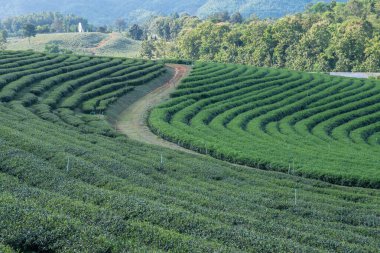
{"x": 46, "y": 22}
{"x": 309, "y": 125}
{"x": 70, "y": 183}
{"x": 103, "y": 12}
{"x": 328, "y": 37}
{"x": 3, "y": 39}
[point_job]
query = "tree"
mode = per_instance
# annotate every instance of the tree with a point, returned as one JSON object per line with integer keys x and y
{"x": 45, "y": 22}
{"x": 305, "y": 55}
{"x": 328, "y": 37}
{"x": 219, "y": 17}
{"x": 42, "y": 29}
{"x": 29, "y": 31}
{"x": 57, "y": 26}
{"x": 3, "y": 39}
{"x": 136, "y": 32}
{"x": 372, "y": 53}
{"x": 175, "y": 15}
{"x": 147, "y": 49}
{"x": 102, "y": 29}
{"x": 236, "y": 18}
{"x": 349, "y": 44}
{"x": 376, "y": 9}
{"x": 121, "y": 24}
{"x": 286, "y": 32}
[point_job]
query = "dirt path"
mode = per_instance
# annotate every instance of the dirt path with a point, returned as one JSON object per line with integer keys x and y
{"x": 102, "y": 43}
{"x": 133, "y": 120}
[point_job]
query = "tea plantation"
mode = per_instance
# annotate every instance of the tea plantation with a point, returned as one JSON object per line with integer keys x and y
{"x": 70, "y": 183}
{"x": 310, "y": 125}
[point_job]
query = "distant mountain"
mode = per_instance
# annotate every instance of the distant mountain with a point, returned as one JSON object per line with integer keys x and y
{"x": 106, "y": 11}
{"x": 260, "y": 8}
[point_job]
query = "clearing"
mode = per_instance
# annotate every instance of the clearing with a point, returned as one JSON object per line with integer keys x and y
{"x": 113, "y": 44}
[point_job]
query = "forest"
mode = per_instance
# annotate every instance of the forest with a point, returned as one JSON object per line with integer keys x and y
{"x": 45, "y": 22}
{"x": 326, "y": 37}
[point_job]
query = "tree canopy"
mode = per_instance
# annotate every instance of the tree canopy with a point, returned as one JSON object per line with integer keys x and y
{"x": 46, "y": 22}
{"x": 29, "y": 31}
{"x": 327, "y": 37}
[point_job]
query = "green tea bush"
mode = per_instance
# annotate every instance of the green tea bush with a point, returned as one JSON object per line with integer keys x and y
{"x": 312, "y": 125}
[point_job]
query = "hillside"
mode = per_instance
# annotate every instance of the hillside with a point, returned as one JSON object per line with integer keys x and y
{"x": 114, "y": 44}
{"x": 70, "y": 183}
{"x": 260, "y": 8}
{"x": 106, "y": 12}
{"x": 310, "y": 125}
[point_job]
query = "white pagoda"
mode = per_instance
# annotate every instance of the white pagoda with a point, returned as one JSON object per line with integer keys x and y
{"x": 80, "y": 28}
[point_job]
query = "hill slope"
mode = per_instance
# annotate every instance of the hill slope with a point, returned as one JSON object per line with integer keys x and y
{"x": 70, "y": 183}
{"x": 260, "y": 8}
{"x": 310, "y": 125}
{"x": 114, "y": 44}
{"x": 101, "y": 12}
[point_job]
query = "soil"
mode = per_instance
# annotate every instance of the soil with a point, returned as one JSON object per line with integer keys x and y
{"x": 132, "y": 121}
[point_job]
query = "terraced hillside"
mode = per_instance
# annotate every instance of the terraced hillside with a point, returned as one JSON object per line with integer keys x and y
{"x": 305, "y": 124}
{"x": 70, "y": 183}
{"x": 45, "y": 82}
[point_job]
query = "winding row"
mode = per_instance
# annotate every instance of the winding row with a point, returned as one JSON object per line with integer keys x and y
{"x": 311, "y": 125}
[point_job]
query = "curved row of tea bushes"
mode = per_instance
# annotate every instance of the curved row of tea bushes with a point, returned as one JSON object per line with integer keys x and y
{"x": 310, "y": 125}
{"x": 70, "y": 183}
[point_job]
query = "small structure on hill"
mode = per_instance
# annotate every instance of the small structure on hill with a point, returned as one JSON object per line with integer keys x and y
{"x": 154, "y": 37}
{"x": 80, "y": 28}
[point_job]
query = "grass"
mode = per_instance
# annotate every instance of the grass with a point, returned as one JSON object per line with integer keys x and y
{"x": 309, "y": 125}
{"x": 80, "y": 43}
{"x": 70, "y": 183}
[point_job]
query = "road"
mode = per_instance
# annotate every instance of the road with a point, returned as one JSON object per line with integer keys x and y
{"x": 133, "y": 120}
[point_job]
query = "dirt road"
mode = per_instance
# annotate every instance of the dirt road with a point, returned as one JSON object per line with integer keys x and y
{"x": 133, "y": 120}
{"x": 102, "y": 43}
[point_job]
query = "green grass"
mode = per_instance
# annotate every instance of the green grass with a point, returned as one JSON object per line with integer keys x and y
{"x": 80, "y": 43}
{"x": 309, "y": 125}
{"x": 70, "y": 183}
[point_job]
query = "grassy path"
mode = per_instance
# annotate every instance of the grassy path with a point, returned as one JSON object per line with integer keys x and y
{"x": 132, "y": 121}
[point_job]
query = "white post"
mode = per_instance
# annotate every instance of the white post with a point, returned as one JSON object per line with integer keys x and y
{"x": 295, "y": 196}
{"x": 68, "y": 164}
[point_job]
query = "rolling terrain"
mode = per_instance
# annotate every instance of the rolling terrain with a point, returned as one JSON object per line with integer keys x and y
{"x": 309, "y": 125}
{"x": 70, "y": 182}
{"x": 114, "y": 44}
